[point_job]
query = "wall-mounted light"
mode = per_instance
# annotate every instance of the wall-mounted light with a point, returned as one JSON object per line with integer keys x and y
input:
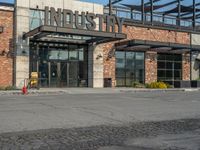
{"x": 3, "y": 53}
{"x": 111, "y": 54}
{"x": 1, "y": 29}
{"x": 23, "y": 50}
{"x": 99, "y": 56}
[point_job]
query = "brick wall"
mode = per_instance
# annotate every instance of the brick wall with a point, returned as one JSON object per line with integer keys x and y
{"x": 156, "y": 35}
{"x": 6, "y": 47}
{"x": 150, "y": 67}
{"x": 186, "y": 67}
{"x": 134, "y": 32}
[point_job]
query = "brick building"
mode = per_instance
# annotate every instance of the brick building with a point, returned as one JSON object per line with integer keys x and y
{"x": 6, "y": 44}
{"x": 101, "y": 50}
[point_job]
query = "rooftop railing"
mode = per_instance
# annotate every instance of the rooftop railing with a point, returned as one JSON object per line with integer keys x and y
{"x": 157, "y": 19}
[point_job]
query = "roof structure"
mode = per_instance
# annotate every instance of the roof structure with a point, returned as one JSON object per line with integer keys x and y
{"x": 175, "y": 8}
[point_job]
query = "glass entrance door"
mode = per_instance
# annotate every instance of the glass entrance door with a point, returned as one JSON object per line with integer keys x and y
{"x": 60, "y": 65}
{"x": 73, "y": 74}
{"x": 63, "y": 74}
{"x": 54, "y": 73}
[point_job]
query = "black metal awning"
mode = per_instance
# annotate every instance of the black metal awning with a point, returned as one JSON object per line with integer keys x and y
{"x": 1, "y": 29}
{"x": 167, "y": 47}
{"x": 61, "y": 34}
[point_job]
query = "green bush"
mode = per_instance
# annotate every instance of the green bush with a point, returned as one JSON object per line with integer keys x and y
{"x": 10, "y": 88}
{"x": 168, "y": 85}
{"x": 7, "y": 88}
{"x": 157, "y": 85}
{"x": 138, "y": 85}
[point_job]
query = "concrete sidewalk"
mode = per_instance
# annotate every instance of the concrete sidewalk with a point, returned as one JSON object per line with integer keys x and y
{"x": 46, "y": 91}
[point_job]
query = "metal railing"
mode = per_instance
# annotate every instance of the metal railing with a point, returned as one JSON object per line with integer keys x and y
{"x": 158, "y": 19}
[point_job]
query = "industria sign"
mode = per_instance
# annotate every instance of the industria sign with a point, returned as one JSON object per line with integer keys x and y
{"x": 68, "y": 19}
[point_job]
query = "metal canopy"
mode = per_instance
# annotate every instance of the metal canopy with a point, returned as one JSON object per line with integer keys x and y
{"x": 51, "y": 33}
{"x": 145, "y": 45}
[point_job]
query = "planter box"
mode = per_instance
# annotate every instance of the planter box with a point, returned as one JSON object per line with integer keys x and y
{"x": 182, "y": 84}
{"x": 195, "y": 83}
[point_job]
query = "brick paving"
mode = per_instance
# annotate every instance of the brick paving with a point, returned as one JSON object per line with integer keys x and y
{"x": 92, "y": 138}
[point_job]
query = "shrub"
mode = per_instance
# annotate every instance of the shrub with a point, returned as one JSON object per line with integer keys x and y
{"x": 10, "y": 88}
{"x": 157, "y": 85}
{"x": 2, "y": 88}
{"x": 7, "y": 88}
{"x": 168, "y": 85}
{"x": 138, "y": 85}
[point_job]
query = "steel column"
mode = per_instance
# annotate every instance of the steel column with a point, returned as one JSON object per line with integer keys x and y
{"x": 179, "y": 13}
{"x": 151, "y": 11}
{"x": 131, "y": 13}
{"x": 110, "y": 7}
{"x": 194, "y": 14}
{"x": 142, "y": 9}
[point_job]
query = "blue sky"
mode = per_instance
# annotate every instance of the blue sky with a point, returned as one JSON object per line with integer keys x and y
{"x": 125, "y": 1}
{"x": 134, "y": 2}
{"x": 7, "y": 1}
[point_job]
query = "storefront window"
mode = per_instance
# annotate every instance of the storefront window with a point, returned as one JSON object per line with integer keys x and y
{"x": 169, "y": 67}
{"x": 120, "y": 68}
{"x": 60, "y": 65}
{"x": 129, "y": 68}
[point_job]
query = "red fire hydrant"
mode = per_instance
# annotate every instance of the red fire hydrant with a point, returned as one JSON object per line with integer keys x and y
{"x": 24, "y": 89}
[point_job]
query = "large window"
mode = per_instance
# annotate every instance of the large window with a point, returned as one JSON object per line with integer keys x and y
{"x": 169, "y": 67}
{"x": 129, "y": 67}
{"x": 60, "y": 65}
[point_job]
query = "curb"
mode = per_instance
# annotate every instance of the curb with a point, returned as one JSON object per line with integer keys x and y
{"x": 46, "y": 92}
{"x": 18, "y": 93}
{"x": 161, "y": 90}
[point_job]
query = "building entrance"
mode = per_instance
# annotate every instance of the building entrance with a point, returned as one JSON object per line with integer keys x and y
{"x": 60, "y": 66}
{"x": 63, "y": 74}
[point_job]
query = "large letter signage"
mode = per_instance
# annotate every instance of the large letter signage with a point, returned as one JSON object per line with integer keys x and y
{"x": 68, "y": 19}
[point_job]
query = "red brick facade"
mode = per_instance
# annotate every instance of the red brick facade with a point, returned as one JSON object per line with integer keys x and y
{"x": 150, "y": 67}
{"x": 150, "y": 34}
{"x": 186, "y": 67}
{"x": 6, "y": 47}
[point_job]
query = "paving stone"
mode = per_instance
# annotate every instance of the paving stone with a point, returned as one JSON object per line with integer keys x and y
{"x": 92, "y": 138}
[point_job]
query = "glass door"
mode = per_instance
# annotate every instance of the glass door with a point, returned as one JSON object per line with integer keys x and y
{"x": 64, "y": 74}
{"x": 73, "y": 72}
{"x": 54, "y": 74}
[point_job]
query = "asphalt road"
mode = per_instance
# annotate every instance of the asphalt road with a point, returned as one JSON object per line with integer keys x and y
{"x": 120, "y": 120}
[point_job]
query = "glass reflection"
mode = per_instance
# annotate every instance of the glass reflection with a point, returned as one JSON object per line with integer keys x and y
{"x": 129, "y": 68}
